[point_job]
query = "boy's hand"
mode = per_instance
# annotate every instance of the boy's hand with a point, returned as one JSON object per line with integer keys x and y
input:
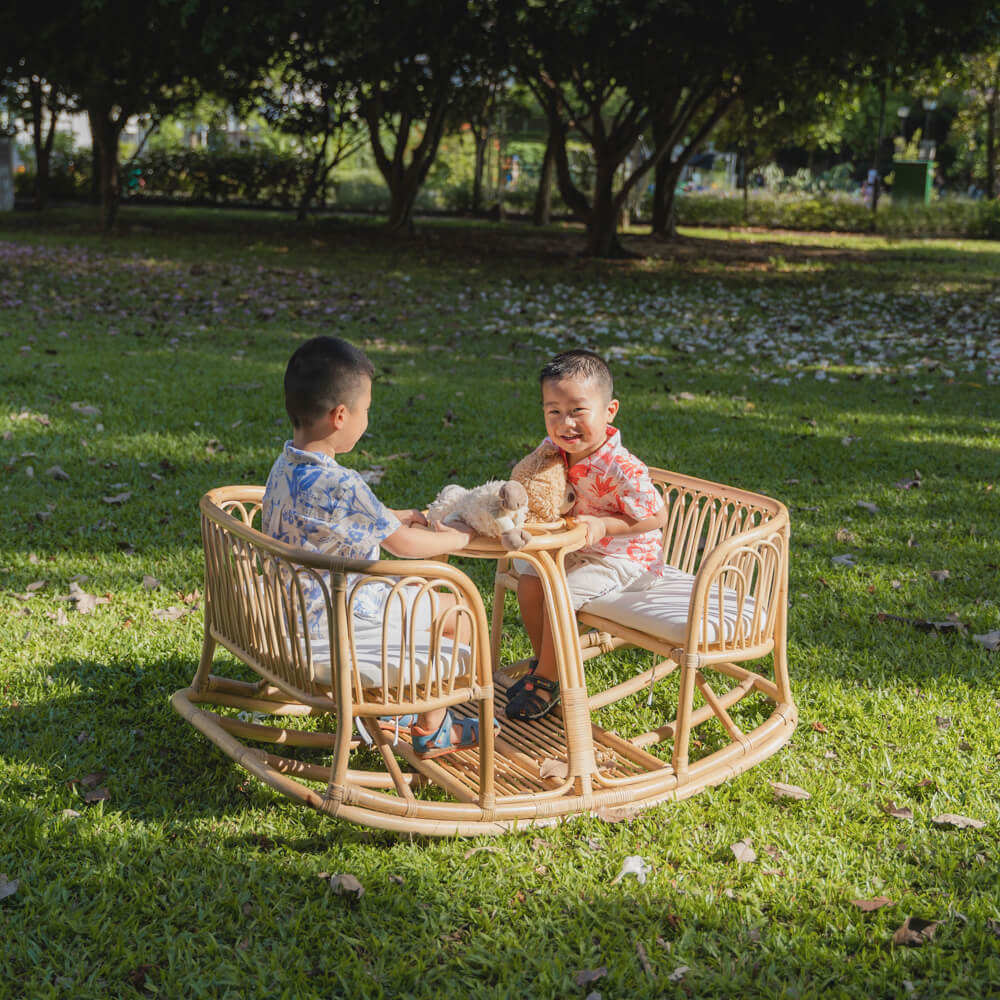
{"x": 596, "y": 528}
{"x": 411, "y": 517}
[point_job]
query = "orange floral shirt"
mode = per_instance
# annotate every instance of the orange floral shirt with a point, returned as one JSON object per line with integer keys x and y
{"x": 613, "y": 482}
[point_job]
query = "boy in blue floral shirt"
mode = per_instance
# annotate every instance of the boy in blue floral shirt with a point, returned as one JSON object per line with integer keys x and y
{"x": 313, "y": 502}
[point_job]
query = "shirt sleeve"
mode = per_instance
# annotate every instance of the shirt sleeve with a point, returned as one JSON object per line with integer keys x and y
{"x": 637, "y": 496}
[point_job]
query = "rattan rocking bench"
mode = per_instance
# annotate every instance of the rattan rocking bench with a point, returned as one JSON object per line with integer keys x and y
{"x": 717, "y": 622}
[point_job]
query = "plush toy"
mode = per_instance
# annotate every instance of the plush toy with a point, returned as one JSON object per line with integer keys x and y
{"x": 543, "y": 475}
{"x": 496, "y": 509}
{"x": 538, "y": 490}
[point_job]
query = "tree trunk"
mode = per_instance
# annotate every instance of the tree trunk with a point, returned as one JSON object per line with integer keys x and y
{"x": 542, "y": 214}
{"x": 105, "y": 129}
{"x": 42, "y": 142}
{"x": 668, "y": 172}
{"x": 480, "y": 136}
{"x": 991, "y": 137}
{"x": 602, "y": 220}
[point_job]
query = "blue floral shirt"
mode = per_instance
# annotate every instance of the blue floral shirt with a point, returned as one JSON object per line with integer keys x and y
{"x": 311, "y": 502}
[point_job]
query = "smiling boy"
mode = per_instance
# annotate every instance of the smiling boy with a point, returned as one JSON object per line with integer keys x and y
{"x": 615, "y": 500}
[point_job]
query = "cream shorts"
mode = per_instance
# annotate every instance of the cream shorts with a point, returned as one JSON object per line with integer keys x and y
{"x": 590, "y": 577}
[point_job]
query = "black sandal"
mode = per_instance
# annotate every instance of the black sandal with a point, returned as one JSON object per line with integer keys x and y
{"x": 518, "y": 685}
{"x": 527, "y": 706}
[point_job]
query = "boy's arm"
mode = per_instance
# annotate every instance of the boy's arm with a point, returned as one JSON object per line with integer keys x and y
{"x": 622, "y": 524}
{"x": 414, "y": 541}
{"x": 410, "y": 517}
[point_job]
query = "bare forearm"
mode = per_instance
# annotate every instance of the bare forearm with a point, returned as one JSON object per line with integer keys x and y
{"x": 420, "y": 542}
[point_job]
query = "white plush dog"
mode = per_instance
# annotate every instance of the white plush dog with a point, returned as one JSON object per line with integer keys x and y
{"x": 496, "y": 509}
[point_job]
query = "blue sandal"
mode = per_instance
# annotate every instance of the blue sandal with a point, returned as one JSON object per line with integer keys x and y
{"x": 435, "y": 744}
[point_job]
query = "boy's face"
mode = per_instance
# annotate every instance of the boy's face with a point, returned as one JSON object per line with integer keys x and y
{"x": 577, "y": 414}
{"x": 356, "y": 421}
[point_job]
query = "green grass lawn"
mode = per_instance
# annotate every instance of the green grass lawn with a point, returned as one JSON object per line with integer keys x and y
{"x": 857, "y": 379}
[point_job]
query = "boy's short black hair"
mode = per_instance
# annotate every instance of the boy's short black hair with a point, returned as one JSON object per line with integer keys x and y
{"x": 580, "y": 365}
{"x": 323, "y": 373}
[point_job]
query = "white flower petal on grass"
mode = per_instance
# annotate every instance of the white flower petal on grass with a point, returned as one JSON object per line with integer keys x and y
{"x": 634, "y": 865}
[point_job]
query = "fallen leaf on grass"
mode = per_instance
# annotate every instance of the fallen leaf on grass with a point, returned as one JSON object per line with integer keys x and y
{"x": 476, "y": 850}
{"x": 170, "y": 614}
{"x": 83, "y": 602}
{"x": 633, "y": 865}
{"x": 346, "y": 885}
{"x": 941, "y": 574}
{"x": 117, "y": 499}
{"x": 640, "y": 950}
{"x": 85, "y": 409}
{"x": 618, "y": 814}
{"x": 991, "y": 640}
{"x": 914, "y": 932}
{"x": 213, "y": 447}
{"x": 961, "y": 822}
{"x": 57, "y": 473}
{"x": 743, "y": 852}
{"x": 870, "y": 905}
{"x": 7, "y": 886}
{"x": 897, "y": 812}
{"x": 678, "y": 974}
{"x": 150, "y": 582}
{"x": 550, "y": 768}
{"x": 99, "y": 794}
{"x": 844, "y": 535}
{"x": 783, "y": 791}
{"x": 994, "y": 926}
{"x": 585, "y": 976}
{"x": 943, "y": 722}
{"x": 819, "y": 727}
{"x": 948, "y": 625}
{"x": 868, "y": 506}
{"x": 843, "y": 560}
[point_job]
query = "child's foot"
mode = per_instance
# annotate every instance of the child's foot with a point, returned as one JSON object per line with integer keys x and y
{"x": 530, "y": 702}
{"x": 453, "y": 734}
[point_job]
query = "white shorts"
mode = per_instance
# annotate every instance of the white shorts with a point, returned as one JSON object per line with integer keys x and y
{"x": 399, "y": 616}
{"x": 590, "y": 576}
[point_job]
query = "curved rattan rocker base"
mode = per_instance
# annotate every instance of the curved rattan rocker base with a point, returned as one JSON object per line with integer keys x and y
{"x": 628, "y": 777}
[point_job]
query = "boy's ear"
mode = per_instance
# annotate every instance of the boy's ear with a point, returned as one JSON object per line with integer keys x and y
{"x": 337, "y": 416}
{"x": 612, "y": 409}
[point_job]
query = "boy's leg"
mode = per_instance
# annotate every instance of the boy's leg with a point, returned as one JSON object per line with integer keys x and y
{"x": 531, "y": 602}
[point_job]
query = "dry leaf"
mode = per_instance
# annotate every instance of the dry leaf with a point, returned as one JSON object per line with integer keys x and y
{"x": 914, "y": 932}
{"x": 868, "y": 506}
{"x": 476, "y": 850}
{"x": 347, "y": 885}
{"x": 949, "y": 625}
{"x": 678, "y": 974}
{"x": 617, "y": 814}
{"x": 742, "y": 851}
{"x": 170, "y": 614}
{"x": 85, "y": 410}
{"x": 70, "y": 814}
{"x": 213, "y": 447}
{"x": 869, "y": 905}
{"x": 585, "y": 976}
{"x": 633, "y": 865}
{"x": 962, "y": 822}
{"x": 7, "y": 886}
{"x": 844, "y": 535}
{"x": 117, "y": 499}
{"x": 150, "y": 582}
{"x": 100, "y": 794}
{"x": 943, "y": 722}
{"x": 941, "y": 574}
{"x": 991, "y": 640}
{"x": 82, "y": 601}
{"x": 783, "y": 791}
{"x": 819, "y": 727}
{"x": 897, "y": 812}
{"x": 56, "y": 473}
{"x": 640, "y": 950}
{"x": 843, "y": 560}
{"x": 551, "y": 768}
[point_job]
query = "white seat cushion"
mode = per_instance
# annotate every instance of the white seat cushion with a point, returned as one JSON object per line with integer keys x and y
{"x": 661, "y": 610}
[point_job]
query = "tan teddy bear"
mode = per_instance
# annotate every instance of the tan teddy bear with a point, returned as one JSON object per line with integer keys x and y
{"x": 543, "y": 475}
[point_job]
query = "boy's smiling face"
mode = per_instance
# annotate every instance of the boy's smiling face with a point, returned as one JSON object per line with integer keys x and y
{"x": 577, "y": 414}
